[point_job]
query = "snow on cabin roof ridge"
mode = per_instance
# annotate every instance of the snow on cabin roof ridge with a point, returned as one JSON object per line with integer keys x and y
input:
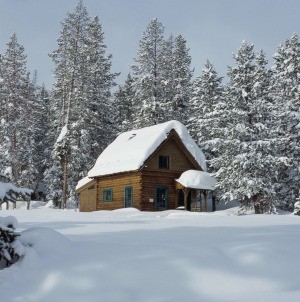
{"x": 131, "y": 149}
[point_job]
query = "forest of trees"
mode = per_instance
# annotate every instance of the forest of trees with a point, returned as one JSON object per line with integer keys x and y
{"x": 248, "y": 127}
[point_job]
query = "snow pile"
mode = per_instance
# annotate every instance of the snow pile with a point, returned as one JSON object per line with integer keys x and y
{"x": 131, "y": 149}
{"x": 9, "y": 221}
{"x": 197, "y": 180}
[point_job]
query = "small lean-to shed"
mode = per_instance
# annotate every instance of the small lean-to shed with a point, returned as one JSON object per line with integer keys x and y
{"x": 87, "y": 190}
{"x": 139, "y": 169}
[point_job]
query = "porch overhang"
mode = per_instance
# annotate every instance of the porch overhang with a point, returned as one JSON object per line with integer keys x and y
{"x": 194, "y": 179}
{"x": 197, "y": 180}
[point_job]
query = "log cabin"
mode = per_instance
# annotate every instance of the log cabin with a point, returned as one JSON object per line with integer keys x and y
{"x": 152, "y": 169}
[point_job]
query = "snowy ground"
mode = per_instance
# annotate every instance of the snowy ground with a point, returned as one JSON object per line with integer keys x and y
{"x": 127, "y": 255}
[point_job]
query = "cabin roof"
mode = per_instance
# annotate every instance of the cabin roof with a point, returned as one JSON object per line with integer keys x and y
{"x": 83, "y": 182}
{"x": 130, "y": 150}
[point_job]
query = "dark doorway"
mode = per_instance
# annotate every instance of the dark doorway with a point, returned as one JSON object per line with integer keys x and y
{"x": 181, "y": 199}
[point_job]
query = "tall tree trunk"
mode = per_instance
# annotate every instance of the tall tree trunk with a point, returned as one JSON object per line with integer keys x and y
{"x": 65, "y": 188}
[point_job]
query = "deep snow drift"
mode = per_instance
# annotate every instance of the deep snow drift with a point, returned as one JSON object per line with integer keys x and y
{"x": 127, "y": 255}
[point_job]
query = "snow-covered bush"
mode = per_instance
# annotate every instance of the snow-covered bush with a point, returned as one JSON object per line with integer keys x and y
{"x": 9, "y": 193}
{"x": 11, "y": 248}
{"x": 297, "y": 207}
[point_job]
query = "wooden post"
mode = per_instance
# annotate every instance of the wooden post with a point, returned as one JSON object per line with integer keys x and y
{"x": 213, "y": 199}
{"x": 186, "y": 194}
{"x": 205, "y": 200}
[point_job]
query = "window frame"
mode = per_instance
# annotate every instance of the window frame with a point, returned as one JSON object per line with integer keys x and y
{"x": 161, "y": 159}
{"x": 104, "y": 191}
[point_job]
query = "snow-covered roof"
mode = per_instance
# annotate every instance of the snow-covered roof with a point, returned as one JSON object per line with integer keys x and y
{"x": 197, "y": 180}
{"x": 130, "y": 150}
{"x": 82, "y": 182}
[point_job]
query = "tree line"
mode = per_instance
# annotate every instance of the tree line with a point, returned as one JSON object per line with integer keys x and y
{"x": 248, "y": 127}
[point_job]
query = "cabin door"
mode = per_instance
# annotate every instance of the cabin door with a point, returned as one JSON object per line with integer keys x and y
{"x": 161, "y": 197}
{"x": 128, "y": 197}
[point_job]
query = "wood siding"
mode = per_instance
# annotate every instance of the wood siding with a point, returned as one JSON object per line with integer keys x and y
{"x": 87, "y": 198}
{"x": 178, "y": 161}
{"x": 117, "y": 183}
{"x": 150, "y": 181}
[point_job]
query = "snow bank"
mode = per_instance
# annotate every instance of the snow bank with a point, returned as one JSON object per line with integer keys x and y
{"x": 44, "y": 241}
{"x": 131, "y": 149}
{"x": 123, "y": 255}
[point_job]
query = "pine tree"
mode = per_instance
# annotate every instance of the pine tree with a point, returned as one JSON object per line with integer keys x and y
{"x": 182, "y": 75}
{"x": 81, "y": 100}
{"x": 162, "y": 78}
{"x": 123, "y": 99}
{"x": 17, "y": 102}
{"x": 287, "y": 106}
{"x": 247, "y": 162}
{"x": 42, "y": 135}
{"x": 207, "y": 97}
{"x": 148, "y": 76}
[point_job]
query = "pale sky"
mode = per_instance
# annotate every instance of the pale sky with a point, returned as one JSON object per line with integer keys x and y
{"x": 214, "y": 29}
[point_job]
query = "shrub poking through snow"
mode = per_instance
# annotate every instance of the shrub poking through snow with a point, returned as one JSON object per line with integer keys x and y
{"x": 11, "y": 248}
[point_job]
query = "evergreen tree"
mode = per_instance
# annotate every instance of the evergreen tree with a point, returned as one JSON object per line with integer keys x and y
{"x": 81, "y": 100}
{"x": 247, "y": 162}
{"x": 207, "y": 99}
{"x": 287, "y": 107}
{"x": 162, "y": 78}
{"x": 11, "y": 249}
{"x": 17, "y": 115}
{"x": 42, "y": 135}
{"x": 123, "y": 99}
{"x": 182, "y": 75}
{"x": 149, "y": 77}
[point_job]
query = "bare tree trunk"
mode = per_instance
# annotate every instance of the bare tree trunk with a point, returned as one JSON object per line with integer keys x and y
{"x": 65, "y": 163}
{"x": 65, "y": 188}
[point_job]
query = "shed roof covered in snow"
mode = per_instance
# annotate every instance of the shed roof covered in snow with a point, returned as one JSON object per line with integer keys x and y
{"x": 194, "y": 179}
{"x": 130, "y": 150}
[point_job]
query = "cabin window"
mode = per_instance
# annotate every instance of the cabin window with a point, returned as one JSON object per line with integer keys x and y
{"x": 164, "y": 162}
{"x": 161, "y": 197}
{"x": 107, "y": 195}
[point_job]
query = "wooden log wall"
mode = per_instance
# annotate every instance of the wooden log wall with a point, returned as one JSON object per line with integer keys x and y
{"x": 150, "y": 181}
{"x": 87, "y": 197}
{"x": 178, "y": 161}
{"x": 118, "y": 183}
